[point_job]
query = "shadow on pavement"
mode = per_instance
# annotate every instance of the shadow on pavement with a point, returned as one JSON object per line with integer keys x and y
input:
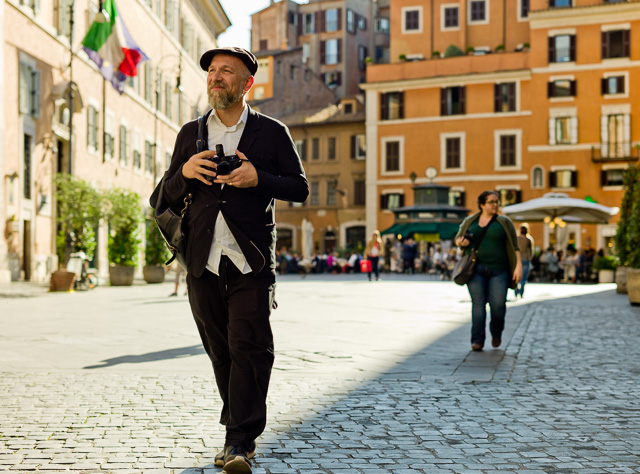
{"x": 151, "y": 356}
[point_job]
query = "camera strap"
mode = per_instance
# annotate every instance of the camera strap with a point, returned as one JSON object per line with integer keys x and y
{"x": 200, "y": 143}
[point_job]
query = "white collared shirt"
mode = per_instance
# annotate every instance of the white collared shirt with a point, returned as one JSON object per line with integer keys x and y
{"x": 224, "y": 243}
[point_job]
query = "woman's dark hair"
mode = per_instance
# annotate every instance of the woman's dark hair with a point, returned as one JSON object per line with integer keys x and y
{"x": 482, "y": 199}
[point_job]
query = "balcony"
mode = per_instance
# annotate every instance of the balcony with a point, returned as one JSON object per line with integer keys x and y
{"x": 615, "y": 152}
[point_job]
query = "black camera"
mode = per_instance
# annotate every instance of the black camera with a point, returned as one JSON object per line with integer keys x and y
{"x": 226, "y": 164}
{"x": 468, "y": 235}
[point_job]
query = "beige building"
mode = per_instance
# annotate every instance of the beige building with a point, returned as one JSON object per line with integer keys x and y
{"x": 331, "y": 143}
{"x": 108, "y": 139}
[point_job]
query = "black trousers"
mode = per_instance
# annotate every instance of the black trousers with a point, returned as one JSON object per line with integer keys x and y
{"x": 231, "y": 311}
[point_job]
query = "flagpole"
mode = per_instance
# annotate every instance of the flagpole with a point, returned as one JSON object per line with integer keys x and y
{"x": 71, "y": 88}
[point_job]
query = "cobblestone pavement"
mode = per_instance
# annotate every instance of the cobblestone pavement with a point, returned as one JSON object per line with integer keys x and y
{"x": 562, "y": 397}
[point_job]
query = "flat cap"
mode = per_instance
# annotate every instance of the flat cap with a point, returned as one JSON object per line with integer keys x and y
{"x": 247, "y": 57}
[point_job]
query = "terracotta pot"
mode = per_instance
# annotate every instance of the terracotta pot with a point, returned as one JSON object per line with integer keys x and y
{"x": 633, "y": 285}
{"x": 62, "y": 280}
{"x": 621, "y": 279}
{"x": 153, "y": 273}
{"x": 120, "y": 275}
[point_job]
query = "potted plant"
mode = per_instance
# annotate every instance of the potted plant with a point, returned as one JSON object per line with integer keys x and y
{"x": 622, "y": 231}
{"x": 453, "y": 51}
{"x": 605, "y": 266}
{"x": 471, "y": 50}
{"x": 435, "y": 55}
{"x": 155, "y": 254}
{"x": 632, "y": 235}
{"x": 79, "y": 209}
{"x": 526, "y": 46}
{"x": 124, "y": 215}
{"x": 402, "y": 57}
{"x": 500, "y": 48}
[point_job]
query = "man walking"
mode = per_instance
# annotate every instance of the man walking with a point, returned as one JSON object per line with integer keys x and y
{"x": 230, "y": 254}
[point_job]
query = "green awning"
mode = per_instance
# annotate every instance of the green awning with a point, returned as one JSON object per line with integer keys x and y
{"x": 446, "y": 230}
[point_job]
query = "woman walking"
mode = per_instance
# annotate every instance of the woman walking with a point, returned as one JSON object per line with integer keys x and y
{"x": 498, "y": 266}
{"x": 372, "y": 253}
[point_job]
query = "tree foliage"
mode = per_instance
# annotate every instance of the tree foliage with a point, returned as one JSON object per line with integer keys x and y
{"x": 156, "y": 251}
{"x": 623, "y": 242}
{"x": 631, "y": 234}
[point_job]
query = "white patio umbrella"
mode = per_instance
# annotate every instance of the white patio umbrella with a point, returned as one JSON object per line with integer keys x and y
{"x": 559, "y": 205}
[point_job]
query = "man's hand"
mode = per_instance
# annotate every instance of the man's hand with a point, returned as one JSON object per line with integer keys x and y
{"x": 195, "y": 167}
{"x": 245, "y": 176}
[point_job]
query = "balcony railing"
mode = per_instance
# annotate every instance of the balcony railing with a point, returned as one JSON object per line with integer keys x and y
{"x": 616, "y": 151}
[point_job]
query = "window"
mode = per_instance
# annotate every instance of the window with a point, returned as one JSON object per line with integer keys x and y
{"x": 63, "y": 14}
{"x": 508, "y": 150}
{"x": 292, "y": 72}
{"x": 510, "y": 196}
{"x": 478, "y": 10}
{"x": 563, "y": 130}
{"x": 315, "y": 148}
{"x": 382, "y": 25}
{"x": 109, "y": 139}
{"x": 168, "y": 14}
{"x": 613, "y": 85}
{"x": 26, "y": 165}
{"x": 331, "y": 192}
{"x": 452, "y": 100}
{"x": 92, "y": 128}
{"x": 450, "y": 17}
{"x": 331, "y": 145}
{"x": 168, "y": 107}
{"x": 362, "y": 23}
{"x": 123, "y": 141}
{"x": 351, "y": 21}
{"x": 524, "y": 8}
{"x": 358, "y": 147}
{"x": 562, "y": 48}
{"x": 362, "y": 55}
{"x": 332, "y": 79}
{"x": 392, "y": 106}
{"x": 563, "y": 178}
{"x": 505, "y": 97}
{"x": 612, "y": 177}
{"x": 148, "y": 156}
{"x": 136, "y": 151}
{"x": 391, "y": 201}
{"x": 30, "y": 101}
{"x": 301, "y": 145}
{"x": 359, "y": 192}
{"x": 347, "y": 108}
{"x": 308, "y": 24}
{"x": 616, "y": 44}
{"x": 456, "y": 198}
{"x": 392, "y": 156}
{"x": 411, "y": 20}
{"x": 537, "y": 177}
{"x": 315, "y": 193}
{"x": 331, "y": 52}
{"x": 34, "y": 5}
{"x": 263, "y": 45}
{"x": 331, "y": 20}
{"x": 561, "y": 88}
{"x": 559, "y": 3}
{"x": 615, "y": 128}
{"x": 453, "y": 153}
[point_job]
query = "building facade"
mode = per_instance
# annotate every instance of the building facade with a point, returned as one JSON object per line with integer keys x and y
{"x": 62, "y": 117}
{"x": 520, "y": 97}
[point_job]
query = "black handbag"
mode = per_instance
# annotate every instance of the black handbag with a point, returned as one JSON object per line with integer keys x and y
{"x": 171, "y": 225}
{"x": 463, "y": 271}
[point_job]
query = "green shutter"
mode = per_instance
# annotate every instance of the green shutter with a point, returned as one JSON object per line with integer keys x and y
{"x": 25, "y": 90}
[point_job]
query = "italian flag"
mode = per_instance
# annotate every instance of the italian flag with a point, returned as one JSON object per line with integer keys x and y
{"x": 111, "y": 47}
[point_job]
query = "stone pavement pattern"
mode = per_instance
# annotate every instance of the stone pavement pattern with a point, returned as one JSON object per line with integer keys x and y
{"x": 562, "y": 397}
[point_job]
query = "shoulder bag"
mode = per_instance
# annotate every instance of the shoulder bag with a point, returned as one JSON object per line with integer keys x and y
{"x": 171, "y": 225}
{"x": 463, "y": 271}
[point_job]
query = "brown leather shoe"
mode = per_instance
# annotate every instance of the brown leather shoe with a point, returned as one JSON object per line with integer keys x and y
{"x": 219, "y": 459}
{"x": 236, "y": 460}
{"x": 496, "y": 341}
{"x": 476, "y": 347}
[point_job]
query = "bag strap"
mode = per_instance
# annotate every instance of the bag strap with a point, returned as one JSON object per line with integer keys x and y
{"x": 200, "y": 143}
{"x": 483, "y": 232}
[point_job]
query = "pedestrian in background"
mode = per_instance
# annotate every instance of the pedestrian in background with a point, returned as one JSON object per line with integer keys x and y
{"x": 525, "y": 242}
{"x": 409, "y": 252}
{"x": 498, "y": 267}
{"x": 372, "y": 251}
{"x": 179, "y": 271}
{"x": 230, "y": 254}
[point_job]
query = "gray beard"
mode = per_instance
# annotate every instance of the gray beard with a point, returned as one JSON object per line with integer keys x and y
{"x": 224, "y": 100}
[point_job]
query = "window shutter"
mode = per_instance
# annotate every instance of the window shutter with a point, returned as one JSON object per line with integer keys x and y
{"x": 603, "y": 86}
{"x": 323, "y": 52}
{"x": 384, "y": 110}
{"x": 552, "y": 179}
{"x": 401, "y": 200}
{"x": 552, "y": 131}
{"x": 518, "y": 196}
{"x": 339, "y": 19}
{"x": 574, "y": 130}
{"x": 338, "y": 78}
{"x": 36, "y": 6}
{"x": 603, "y": 178}
{"x": 604, "y": 44}
{"x": 339, "y": 50}
{"x": 552, "y": 3}
{"x": 512, "y": 96}
{"x": 353, "y": 146}
{"x": 622, "y": 87}
{"x": 572, "y": 48}
{"x": 496, "y": 97}
{"x": 317, "y": 19}
{"x": 35, "y": 93}
{"x": 626, "y": 43}
{"x": 443, "y": 101}
{"x": 574, "y": 179}
{"x": 550, "y": 89}
{"x": 573, "y": 88}
{"x": 463, "y": 198}
{"x": 552, "y": 49}
{"x": 401, "y": 105}
{"x": 322, "y": 17}
{"x": 300, "y": 21}
{"x": 384, "y": 200}
{"x": 25, "y": 93}
{"x": 462, "y": 100}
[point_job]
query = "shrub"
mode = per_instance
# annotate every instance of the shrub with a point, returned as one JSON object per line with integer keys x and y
{"x": 155, "y": 251}
{"x": 604, "y": 263}
{"x": 621, "y": 239}
{"x": 124, "y": 214}
{"x": 452, "y": 51}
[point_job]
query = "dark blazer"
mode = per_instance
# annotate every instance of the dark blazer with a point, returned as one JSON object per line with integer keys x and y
{"x": 249, "y": 212}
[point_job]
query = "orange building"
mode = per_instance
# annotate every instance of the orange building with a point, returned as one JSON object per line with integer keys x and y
{"x": 525, "y": 101}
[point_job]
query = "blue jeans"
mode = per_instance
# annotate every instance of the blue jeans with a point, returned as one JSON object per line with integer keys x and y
{"x": 526, "y": 267}
{"x": 487, "y": 286}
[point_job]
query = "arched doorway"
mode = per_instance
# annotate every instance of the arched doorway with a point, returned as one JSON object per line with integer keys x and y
{"x": 355, "y": 238}
{"x": 329, "y": 241}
